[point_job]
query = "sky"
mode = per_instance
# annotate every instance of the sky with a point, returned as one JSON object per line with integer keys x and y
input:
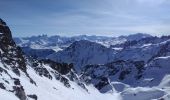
{"x": 90, "y": 17}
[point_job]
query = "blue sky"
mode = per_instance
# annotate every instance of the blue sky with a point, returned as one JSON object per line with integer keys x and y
{"x": 91, "y": 17}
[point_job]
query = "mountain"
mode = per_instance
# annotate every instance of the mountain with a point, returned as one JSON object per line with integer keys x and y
{"x": 85, "y": 70}
{"x": 82, "y": 53}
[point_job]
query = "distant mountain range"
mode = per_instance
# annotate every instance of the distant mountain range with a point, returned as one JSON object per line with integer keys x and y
{"x": 58, "y": 42}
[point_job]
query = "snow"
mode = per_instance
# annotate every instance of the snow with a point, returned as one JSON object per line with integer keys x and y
{"x": 55, "y": 90}
{"x": 117, "y": 48}
{"x": 46, "y": 88}
{"x": 5, "y": 95}
{"x": 119, "y": 86}
{"x": 141, "y": 93}
{"x": 146, "y": 45}
{"x": 165, "y": 57}
{"x": 165, "y": 81}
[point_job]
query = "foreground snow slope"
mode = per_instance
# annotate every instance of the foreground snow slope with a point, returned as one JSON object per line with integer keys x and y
{"x": 56, "y": 90}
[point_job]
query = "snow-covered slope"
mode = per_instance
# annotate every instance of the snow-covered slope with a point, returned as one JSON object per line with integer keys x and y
{"x": 19, "y": 87}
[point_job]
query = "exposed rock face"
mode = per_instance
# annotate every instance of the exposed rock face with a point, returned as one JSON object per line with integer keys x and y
{"x": 10, "y": 54}
{"x": 19, "y": 90}
{"x": 61, "y": 71}
{"x": 12, "y": 59}
{"x": 33, "y": 96}
{"x": 62, "y": 68}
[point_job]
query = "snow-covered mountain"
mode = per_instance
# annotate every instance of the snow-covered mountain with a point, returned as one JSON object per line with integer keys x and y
{"x": 59, "y": 42}
{"x": 82, "y": 53}
{"x": 137, "y": 70}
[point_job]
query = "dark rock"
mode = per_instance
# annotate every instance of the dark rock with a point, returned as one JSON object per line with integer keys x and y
{"x": 123, "y": 74}
{"x": 33, "y": 96}
{"x": 19, "y": 92}
{"x": 2, "y": 86}
{"x": 16, "y": 81}
{"x": 2, "y": 22}
{"x": 62, "y": 68}
{"x": 103, "y": 82}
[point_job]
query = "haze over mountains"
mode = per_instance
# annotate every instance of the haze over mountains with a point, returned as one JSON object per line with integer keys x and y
{"x": 134, "y": 67}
